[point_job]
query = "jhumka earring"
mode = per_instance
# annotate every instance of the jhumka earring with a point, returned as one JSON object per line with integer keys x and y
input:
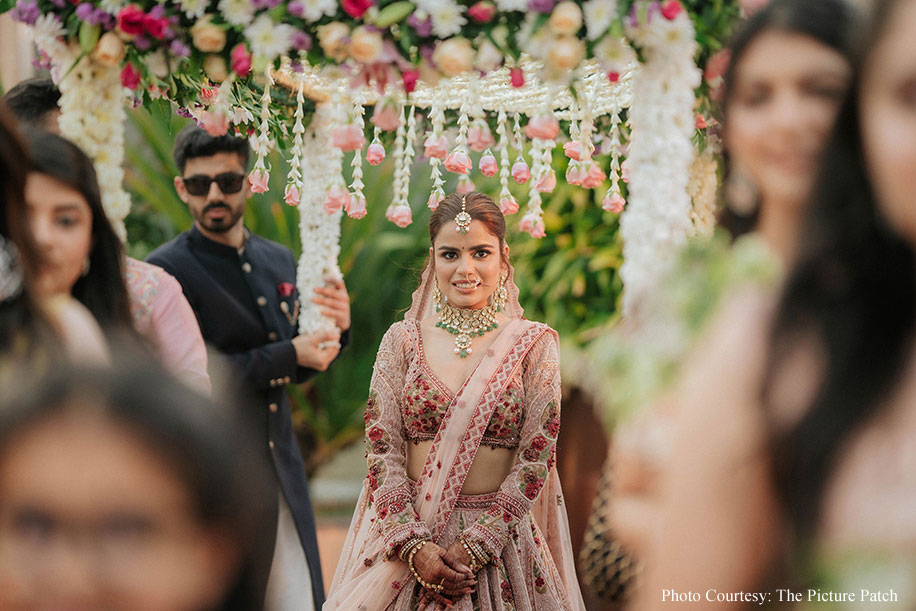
{"x": 501, "y": 295}
{"x": 437, "y": 296}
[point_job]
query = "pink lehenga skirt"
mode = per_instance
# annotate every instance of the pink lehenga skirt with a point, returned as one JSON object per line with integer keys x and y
{"x": 524, "y": 578}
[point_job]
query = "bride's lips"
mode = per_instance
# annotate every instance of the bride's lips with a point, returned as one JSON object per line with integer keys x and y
{"x": 466, "y": 287}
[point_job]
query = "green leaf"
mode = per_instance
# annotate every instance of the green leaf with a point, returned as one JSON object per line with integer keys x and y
{"x": 393, "y": 13}
{"x": 89, "y": 36}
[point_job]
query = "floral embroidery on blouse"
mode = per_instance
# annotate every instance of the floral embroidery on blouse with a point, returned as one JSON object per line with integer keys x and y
{"x": 426, "y": 402}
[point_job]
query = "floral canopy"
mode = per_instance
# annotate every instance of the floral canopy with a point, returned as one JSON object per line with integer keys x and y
{"x": 487, "y": 86}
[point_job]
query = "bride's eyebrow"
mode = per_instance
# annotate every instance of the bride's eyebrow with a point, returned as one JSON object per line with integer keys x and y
{"x": 477, "y": 247}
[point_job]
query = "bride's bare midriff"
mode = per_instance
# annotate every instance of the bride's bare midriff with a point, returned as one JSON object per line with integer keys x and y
{"x": 490, "y": 467}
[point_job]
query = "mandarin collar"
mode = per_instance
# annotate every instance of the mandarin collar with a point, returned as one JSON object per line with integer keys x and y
{"x": 201, "y": 241}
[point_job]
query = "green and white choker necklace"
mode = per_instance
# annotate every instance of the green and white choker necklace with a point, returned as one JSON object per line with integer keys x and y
{"x": 465, "y": 324}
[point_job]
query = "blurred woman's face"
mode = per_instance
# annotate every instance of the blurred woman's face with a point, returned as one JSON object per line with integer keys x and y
{"x": 888, "y": 118}
{"x": 787, "y": 92}
{"x": 91, "y": 518}
{"x": 61, "y": 223}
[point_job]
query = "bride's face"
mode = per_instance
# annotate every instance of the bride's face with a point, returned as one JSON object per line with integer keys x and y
{"x": 467, "y": 265}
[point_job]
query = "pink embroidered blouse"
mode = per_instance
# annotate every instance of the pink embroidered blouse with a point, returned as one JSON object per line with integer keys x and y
{"x": 407, "y": 402}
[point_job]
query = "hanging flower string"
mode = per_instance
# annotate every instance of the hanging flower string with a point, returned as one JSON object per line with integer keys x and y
{"x": 357, "y": 207}
{"x": 294, "y": 180}
{"x": 337, "y": 197}
{"x": 614, "y": 200}
{"x": 507, "y": 202}
{"x": 520, "y": 170}
{"x": 399, "y": 210}
{"x": 435, "y": 148}
{"x": 458, "y": 161}
{"x": 258, "y": 179}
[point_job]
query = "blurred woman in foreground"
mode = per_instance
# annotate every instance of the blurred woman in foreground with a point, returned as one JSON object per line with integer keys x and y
{"x": 806, "y": 406}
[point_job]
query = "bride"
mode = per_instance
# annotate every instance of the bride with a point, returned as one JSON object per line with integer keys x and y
{"x": 462, "y": 506}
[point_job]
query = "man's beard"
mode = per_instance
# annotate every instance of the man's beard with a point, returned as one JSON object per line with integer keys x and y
{"x": 219, "y": 225}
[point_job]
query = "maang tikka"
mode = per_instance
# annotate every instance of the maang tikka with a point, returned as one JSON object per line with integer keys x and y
{"x": 463, "y": 219}
{"x": 466, "y": 324}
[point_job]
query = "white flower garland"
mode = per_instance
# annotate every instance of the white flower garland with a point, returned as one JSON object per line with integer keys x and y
{"x": 92, "y": 102}
{"x": 656, "y": 222}
{"x": 702, "y": 188}
{"x": 318, "y": 230}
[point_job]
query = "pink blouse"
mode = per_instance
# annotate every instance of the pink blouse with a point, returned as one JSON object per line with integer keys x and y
{"x": 162, "y": 313}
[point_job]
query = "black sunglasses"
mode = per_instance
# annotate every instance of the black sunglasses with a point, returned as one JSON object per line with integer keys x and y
{"x": 229, "y": 182}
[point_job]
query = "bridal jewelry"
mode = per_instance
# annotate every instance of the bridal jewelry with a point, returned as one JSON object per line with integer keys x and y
{"x": 463, "y": 219}
{"x": 466, "y": 324}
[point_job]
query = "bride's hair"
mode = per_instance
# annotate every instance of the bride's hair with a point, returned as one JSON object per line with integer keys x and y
{"x": 481, "y": 208}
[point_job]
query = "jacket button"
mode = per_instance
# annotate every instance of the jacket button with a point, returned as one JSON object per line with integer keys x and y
{"x": 271, "y": 444}
{"x": 273, "y": 408}
{"x": 262, "y": 301}
{"x": 246, "y": 267}
{"x": 272, "y": 336}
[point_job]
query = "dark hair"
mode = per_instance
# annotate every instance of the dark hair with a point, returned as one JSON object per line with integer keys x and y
{"x": 32, "y": 99}
{"x": 102, "y": 290}
{"x": 208, "y": 445}
{"x": 829, "y": 22}
{"x": 20, "y": 316}
{"x": 193, "y": 142}
{"x": 854, "y": 292}
{"x": 481, "y": 207}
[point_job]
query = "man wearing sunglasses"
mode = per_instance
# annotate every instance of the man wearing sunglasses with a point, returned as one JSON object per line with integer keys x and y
{"x": 242, "y": 288}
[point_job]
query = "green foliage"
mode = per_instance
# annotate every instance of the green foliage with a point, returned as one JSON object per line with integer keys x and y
{"x": 567, "y": 279}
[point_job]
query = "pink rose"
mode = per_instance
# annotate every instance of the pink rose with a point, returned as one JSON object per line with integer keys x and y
{"x": 155, "y": 27}
{"x": 520, "y": 172}
{"x": 613, "y": 202}
{"x": 594, "y": 177}
{"x": 517, "y": 77}
{"x": 573, "y": 150}
{"x": 488, "y": 166}
{"x": 348, "y": 137}
{"x": 547, "y": 182}
{"x": 671, "y": 9}
{"x": 409, "y": 77}
{"x": 613, "y": 77}
{"x": 545, "y": 127}
{"x": 625, "y": 171}
{"x": 386, "y": 117}
{"x": 400, "y": 215}
{"x": 532, "y": 224}
{"x": 436, "y": 148}
{"x": 131, "y": 19}
{"x": 480, "y": 138}
{"x": 356, "y": 8}
{"x": 714, "y": 73}
{"x": 240, "y": 60}
{"x": 291, "y": 196}
{"x": 700, "y": 122}
{"x": 464, "y": 185}
{"x": 208, "y": 95}
{"x": 482, "y": 12}
{"x": 458, "y": 162}
{"x": 286, "y": 289}
{"x": 575, "y": 174}
{"x": 336, "y": 198}
{"x": 258, "y": 181}
{"x": 130, "y": 76}
{"x": 508, "y": 205}
{"x": 214, "y": 123}
{"x": 375, "y": 154}
{"x": 356, "y": 209}
{"x": 433, "y": 202}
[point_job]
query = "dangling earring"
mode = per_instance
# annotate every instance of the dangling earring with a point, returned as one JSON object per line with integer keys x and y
{"x": 741, "y": 195}
{"x": 501, "y": 295}
{"x": 437, "y": 296}
{"x": 85, "y": 271}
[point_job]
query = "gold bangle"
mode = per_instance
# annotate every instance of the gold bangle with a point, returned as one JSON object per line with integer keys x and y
{"x": 482, "y": 557}
{"x": 475, "y": 566}
{"x": 437, "y": 588}
{"x": 409, "y": 545}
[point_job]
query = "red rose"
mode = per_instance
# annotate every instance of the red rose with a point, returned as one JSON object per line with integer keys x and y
{"x": 131, "y": 20}
{"x": 240, "y": 60}
{"x": 410, "y": 78}
{"x": 130, "y": 76}
{"x": 482, "y": 12}
{"x": 155, "y": 27}
{"x": 286, "y": 289}
{"x": 356, "y": 8}
{"x": 531, "y": 491}
{"x": 375, "y": 433}
{"x": 539, "y": 443}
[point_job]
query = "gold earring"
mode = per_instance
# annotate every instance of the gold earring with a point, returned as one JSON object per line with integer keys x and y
{"x": 502, "y": 294}
{"x": 437, "y": 296}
